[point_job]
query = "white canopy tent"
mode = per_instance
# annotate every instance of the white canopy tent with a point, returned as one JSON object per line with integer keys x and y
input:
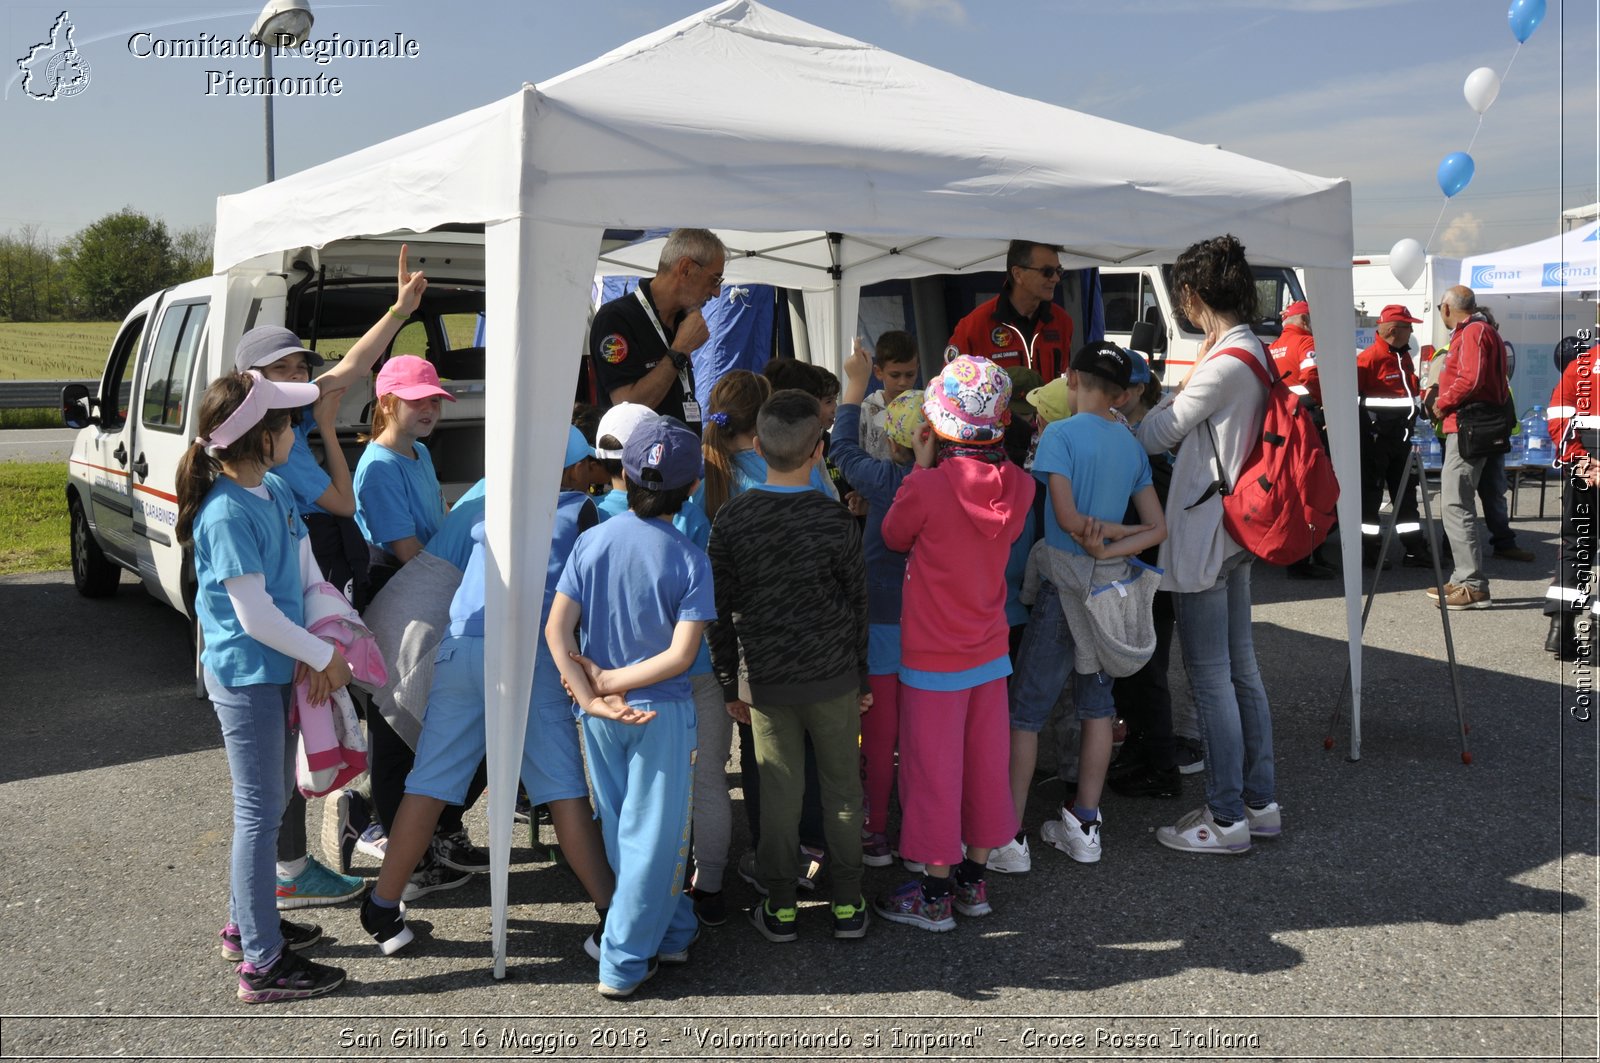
{"x": 743, "y": 119}
{"x": 1568, "y": 263}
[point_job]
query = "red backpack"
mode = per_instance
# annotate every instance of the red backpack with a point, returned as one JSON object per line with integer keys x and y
{"x": 1282, "y": 505}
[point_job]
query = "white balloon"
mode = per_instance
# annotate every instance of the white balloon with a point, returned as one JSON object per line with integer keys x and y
{"x": 1406, "y": 261}
{"x": 1482, "y": 86}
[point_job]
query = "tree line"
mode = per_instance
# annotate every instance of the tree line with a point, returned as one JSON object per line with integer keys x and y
{"x": 99, "y": 272}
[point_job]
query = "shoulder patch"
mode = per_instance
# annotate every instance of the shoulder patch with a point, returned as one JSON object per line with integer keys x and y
{"x": 1001, "y": 336}
{"x": 614, "y": 348}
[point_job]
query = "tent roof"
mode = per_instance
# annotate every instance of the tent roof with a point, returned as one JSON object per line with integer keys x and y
{"x": 1569, "y": 262}
{"x": 742, "y": 118}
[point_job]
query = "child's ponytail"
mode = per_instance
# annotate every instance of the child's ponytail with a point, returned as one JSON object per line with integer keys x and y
{"x": 201, "y": 464}
{"x": 197, "y": 471}
{"x": 734, "y": 402}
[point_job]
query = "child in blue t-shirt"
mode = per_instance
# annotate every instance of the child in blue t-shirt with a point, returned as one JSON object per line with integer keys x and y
{"x": 399, "y": 504}
{"x": 452, "y": 744}
{"x": 252, "y": 565}
{"x": 1092, "y": 467}
{"x": 638, "y": 594}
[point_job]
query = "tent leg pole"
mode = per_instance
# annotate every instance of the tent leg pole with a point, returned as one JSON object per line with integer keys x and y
{"x": 1444, "y": 613}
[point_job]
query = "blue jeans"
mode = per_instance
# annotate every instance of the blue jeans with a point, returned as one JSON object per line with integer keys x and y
{"x": 260, "y": 746}
{"x": 643, "y": 781}
{"x": 1045, "y": 661}
{"x": 1492, "y": 488}
{"x": 1219, "y": 655}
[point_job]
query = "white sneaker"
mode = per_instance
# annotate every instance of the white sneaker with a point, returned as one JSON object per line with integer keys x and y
{"x": 1264, "y": 822}
{"x": 1012, "y": 858}
{"x": 1081, "y": 841}
{"x": 1198, "y": 832}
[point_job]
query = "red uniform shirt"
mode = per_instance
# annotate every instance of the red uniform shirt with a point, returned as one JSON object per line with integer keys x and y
{"x": 1574, "y": 412}
{"x": 997, "y": 332}
{"x": 1295, "y": 355}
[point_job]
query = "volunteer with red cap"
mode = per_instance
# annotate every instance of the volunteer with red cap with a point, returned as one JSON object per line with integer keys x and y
{"x": 1022, "y": 326}
{"x": 1386, "y": 380}
{"x": 1574, "y": 420}
{"x": 1295, "y": 353}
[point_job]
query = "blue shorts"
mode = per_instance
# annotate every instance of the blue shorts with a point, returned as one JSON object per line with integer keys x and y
{"x": 453, "y": 742}
{"x": 1044, "y": 664}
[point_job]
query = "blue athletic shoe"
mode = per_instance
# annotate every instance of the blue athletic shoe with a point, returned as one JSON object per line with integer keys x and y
{"x": 317, "y": 886}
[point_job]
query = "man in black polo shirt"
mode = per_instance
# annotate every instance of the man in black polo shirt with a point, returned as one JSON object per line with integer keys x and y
{"x": 640, "y": 343}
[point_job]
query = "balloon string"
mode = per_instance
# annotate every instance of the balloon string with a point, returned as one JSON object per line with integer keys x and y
{"x": 1513, "y": 59}
{"x": 1436, "y": 221}
{"x": 1475, "y": 133}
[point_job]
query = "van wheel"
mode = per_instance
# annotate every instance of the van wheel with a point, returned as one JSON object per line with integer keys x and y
{"x": 92, "y": 572}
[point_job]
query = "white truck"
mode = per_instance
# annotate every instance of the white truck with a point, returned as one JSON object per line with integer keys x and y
{"x": 1135, "y": 295}
{"x": 1532, "y": 324}
{"x": 136, "y": 424}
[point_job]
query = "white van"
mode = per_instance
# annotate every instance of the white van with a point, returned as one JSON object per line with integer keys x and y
{"x": 136, "y": 424}
{"x": 1134, "y": 295}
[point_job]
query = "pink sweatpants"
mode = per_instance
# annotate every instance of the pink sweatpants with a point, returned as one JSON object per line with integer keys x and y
{"x": 955, "y": 756}
{"x": 880, "y": 731}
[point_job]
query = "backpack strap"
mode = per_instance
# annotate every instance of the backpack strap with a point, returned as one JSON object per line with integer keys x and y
{"x": 1267, "y": 379}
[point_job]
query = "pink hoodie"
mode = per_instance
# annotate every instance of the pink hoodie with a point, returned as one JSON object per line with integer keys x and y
{"x": 958, "y": 521}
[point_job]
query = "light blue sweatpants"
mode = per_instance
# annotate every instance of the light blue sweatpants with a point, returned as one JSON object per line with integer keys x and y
{"x": 642, "y": 776}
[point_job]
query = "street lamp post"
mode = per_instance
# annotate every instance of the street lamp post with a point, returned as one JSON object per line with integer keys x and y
{"x": 281, "y": 24}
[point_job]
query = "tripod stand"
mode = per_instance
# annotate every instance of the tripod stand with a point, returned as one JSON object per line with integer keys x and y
{"x": 1413, "y": 462}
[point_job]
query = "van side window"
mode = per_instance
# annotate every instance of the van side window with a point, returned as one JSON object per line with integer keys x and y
{"x": 1119, "y": 294}
{"x": 115, "y": 385}
{"x": 172, "y": 356}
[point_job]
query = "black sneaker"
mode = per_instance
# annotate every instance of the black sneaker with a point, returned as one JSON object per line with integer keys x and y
{"x": 1148, "y": 783}
{"x": 591, "y": 944}
{"x": 386, "y": 925}
{"x": 297, "y": 937}
{"x": 293, "y": 977}
{"x": 431, "y": 877}
{"x": 1417, "y": 560}
{"x": 1191, "y": 756}
{"x": 709, "y": 907}
{"x": 455, "y": 850}
{"x": 850, "y": 920}
{"x": 774, "y": 926}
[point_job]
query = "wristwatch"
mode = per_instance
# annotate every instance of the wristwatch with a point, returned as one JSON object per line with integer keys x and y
{"x": 680, "y": 361}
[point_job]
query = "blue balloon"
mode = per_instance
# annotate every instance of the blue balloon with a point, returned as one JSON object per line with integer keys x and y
{"x": 1525, "y": 16}
{"x": 1455, "y": 172}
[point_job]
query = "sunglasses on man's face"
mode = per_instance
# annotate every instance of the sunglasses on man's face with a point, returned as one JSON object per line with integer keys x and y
{"x": 1049, "y": 273}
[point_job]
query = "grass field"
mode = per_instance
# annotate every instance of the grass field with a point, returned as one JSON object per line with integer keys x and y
{"x": 77, "y": 350}
{"x": 33, "y": 517}
{"x": 57, "y": 350}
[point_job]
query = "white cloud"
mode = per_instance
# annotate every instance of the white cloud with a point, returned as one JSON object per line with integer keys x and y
{"x": 1462, "y": 237}
{"x": 949, "y": 11}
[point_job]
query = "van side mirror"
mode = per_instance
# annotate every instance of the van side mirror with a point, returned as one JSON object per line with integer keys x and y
{"x": 77, "y": 408}
{"x": 1149, "y": 339}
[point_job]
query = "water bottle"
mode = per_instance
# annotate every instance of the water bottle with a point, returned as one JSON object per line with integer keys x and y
{"x": 1518, "y": 455}
{"x": 1432, "y": 449}
{"x": 1536, "y": 439}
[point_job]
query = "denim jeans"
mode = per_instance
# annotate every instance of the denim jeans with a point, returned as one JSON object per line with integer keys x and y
{"x": 1219, "y": 655}
{"x": 1492, "y": 488}
{"x": 260, "y": 746}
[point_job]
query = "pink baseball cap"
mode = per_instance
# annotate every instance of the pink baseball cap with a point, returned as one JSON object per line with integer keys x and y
{"x": 410, "y": 377}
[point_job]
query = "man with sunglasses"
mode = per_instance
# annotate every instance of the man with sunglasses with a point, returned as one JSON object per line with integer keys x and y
{"x": 639, "y": 343}
{"x": 1022, "y": 326}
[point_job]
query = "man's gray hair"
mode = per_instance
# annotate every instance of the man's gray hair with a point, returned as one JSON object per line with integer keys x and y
{"x": 1461, "y": 298}
{"x": 702, "y": 245}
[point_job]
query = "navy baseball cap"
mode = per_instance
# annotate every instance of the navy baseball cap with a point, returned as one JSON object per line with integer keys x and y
{"x": 1106, "y": 360}
{"x": 662, "y": 455}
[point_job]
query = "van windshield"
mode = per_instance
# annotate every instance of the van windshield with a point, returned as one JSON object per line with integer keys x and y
{"x": 1276, "y": 288}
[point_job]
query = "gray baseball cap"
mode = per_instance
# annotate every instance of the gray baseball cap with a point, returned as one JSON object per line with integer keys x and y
{"x": 265, "y": 344}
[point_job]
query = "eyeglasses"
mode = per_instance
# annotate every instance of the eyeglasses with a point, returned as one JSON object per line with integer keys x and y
{"x": 715, "y": 276}
{"x": 1440, "y": 307}
{"x": 1049, "y": 273}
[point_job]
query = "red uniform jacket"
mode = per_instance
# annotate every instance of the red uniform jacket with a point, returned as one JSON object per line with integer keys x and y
{"x": 1474, "y": 370}
{"x": 1385, "y": 379}
{"x": 1574, "y": 411}
{"x": 1295, "y": 355}
{"x": 997, "y": 332}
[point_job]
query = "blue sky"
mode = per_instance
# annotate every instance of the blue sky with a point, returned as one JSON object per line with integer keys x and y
{"x": 1364, "y": 89}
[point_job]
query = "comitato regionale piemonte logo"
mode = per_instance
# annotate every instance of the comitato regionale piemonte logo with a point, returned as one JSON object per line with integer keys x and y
{"x": 55, "y": 69}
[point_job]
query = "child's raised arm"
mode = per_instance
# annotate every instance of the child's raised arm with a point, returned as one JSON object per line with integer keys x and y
{"x": 358, "y": 362}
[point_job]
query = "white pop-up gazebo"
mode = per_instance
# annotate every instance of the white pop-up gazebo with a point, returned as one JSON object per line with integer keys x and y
{"x": 740, "y": 118}
{"x": 1567, "y": 263}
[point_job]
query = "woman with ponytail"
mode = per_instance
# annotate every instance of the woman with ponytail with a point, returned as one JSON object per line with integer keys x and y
{"x": 252, "y": 562}
{"x": 1214, "y": 420}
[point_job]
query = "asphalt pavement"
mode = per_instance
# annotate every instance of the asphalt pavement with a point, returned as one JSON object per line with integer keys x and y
{"x": 1415, "y": 906}
{"x": 36, "y": 444}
